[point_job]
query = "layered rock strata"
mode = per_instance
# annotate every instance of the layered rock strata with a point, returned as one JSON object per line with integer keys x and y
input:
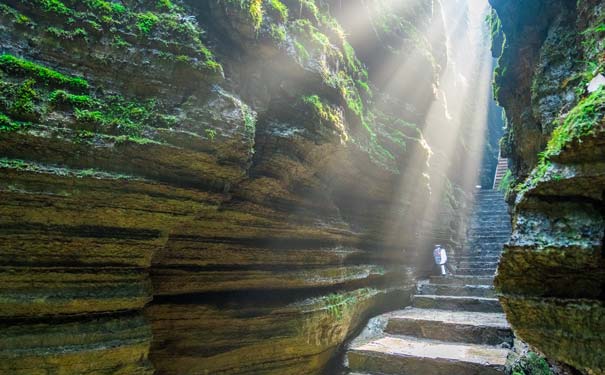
{"x": 205, "y": 187}
{"x": 551, "y": 274}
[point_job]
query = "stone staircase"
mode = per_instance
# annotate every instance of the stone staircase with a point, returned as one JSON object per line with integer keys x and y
{"x": 501, "y": 169}
{"x": 455, "y": 324}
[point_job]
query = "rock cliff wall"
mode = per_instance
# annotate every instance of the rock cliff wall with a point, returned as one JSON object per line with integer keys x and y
{"x": 552, "y": 271}
{"x": 216, "y": 187}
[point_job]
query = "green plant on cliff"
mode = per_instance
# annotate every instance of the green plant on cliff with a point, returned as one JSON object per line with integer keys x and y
{"x": 23, "y": 106}
{"x": 338, "y": 304}
{"x": 531, "y": 364}
{"x": 146, "y": 22}
{"x": 580, "y": 121}
{"x": 15, "y": 16}
{"x": 253, "y": 10}
{"x": 18, "y": 66}
{"x": 507, "y": 182}
{"x": 7, "y": 124}
{"x": 54, "y": 6}
{"x": 585, "y": 118}
{"x": 322, "y": 110}
{"x": 279, "y": 9}
{"x": 62, "y": 97}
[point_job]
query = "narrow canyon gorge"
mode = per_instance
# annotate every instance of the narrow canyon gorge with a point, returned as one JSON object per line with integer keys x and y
{"x": 240, "y": 186}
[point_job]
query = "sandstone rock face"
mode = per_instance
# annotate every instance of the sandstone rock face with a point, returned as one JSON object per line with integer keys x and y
{"x": 213, "y": 187}
{"x": 551, "y": 274}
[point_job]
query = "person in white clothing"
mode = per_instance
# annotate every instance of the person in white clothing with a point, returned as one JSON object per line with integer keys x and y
{"x": 440, "y": 258}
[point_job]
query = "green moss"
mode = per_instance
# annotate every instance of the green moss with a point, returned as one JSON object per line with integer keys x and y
{"x": 532, "y": 364}
{"x": 7, "y": 124}
{"x": 580, "y": 121}
{"x": 507, "y": 182}
{"x": 322, "y": 110}
{"x": 119, "y": 42}
{"x": 280, "y": 10}
{"x": 210, "y": 134}
{"x": 146, "y": 22}
{"x": 338, "y": 304}
{"x": 54, "y": 6}
{"x": 253, "y": 10}
{"x": 67, "y": 34}
{"x": 16, "y": 16}
{"x": 23, "y": 106}
{"x": 17, "y": 66}
{"x": 165, "y": 5}
{"x": 278, "y": 33}
{"x": 62, "y": 97}
{"x": 301, "y": 52}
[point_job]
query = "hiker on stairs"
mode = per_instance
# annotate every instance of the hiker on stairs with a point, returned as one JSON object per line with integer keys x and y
{"x": 440, "y": 258}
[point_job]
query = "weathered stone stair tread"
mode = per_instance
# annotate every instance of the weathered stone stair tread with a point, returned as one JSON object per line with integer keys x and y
{"x": 479, "y": 304}
{"x": 458, "y": 290}
{"x": 453, "y": 317}
{"x": 407, "y": 355}
{"x": 468, "y": 258}
{"x": 455, "y": 326}
{"x": 476, "y": 271}
{"x": 463, "y": 280}
{"x": 477, "y": 263}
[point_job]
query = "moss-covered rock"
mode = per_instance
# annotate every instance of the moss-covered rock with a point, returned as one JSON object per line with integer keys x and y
{"x": 551, "y": 272}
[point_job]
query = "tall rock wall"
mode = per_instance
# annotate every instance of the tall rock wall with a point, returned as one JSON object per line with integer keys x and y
{"x": 552, "y": 272}
{"x": 210, "y": 186}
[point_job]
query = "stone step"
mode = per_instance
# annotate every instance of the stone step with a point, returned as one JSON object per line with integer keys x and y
{"x": 486, "y": 241}
{"x": 493, "y": 226}
{"x": 463, "y": 280}
{"x": 484, "y": 217}
{"x": 491, "y": 206}
{"x": 478, "y": 247}
{"x": 488, "y": 238}
{"x": 457, "y": 290}
{"x": 477, "y": 264}
{"x": 402, "y": 355}
{"x": 483, "y": 253}
{"x": 476, "y": 271}
{"x": 494, "y": 232}
{"x": 490, "y": 219}
{"x": 481, "y": 225}
{"x": 457, "y": 303}
{"x": 455, "y": 326}
{"x": 472, "y": 258}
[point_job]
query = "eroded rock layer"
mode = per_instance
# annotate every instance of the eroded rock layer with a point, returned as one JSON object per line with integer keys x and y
{"x": 552, "y": 274}
{"x": 214, "y": 187}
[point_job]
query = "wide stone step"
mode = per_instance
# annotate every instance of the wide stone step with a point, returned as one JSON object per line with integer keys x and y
{"x": 486, "y": 218}
{"x": 463, "y": 280}
{"x": 488, "y": 239}
{"x": 411, "y": 356}
{"x": 484, "y": 243}
{"x": 457, "y": 290}
{"x": 457, "y": 303}
{"x": 480, "y": 250}
{"x": 455, "y": 326}
{"x": 483, "y": 254}
{"x": 478, "y": 264}
{"x": 472, "y": 258}
{"x": 493, "y": 226}
{"x": 476, "y": 271}
{"x": 493, "y": 232}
